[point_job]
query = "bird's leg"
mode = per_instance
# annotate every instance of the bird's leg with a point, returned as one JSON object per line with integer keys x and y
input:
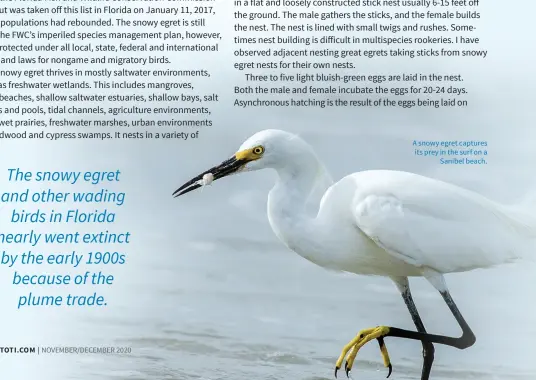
{"x": 427, "y": 347}
{"x": 466, "y": 340}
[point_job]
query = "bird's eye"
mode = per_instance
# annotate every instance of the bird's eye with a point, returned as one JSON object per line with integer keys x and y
{"x": 258, "y": 150}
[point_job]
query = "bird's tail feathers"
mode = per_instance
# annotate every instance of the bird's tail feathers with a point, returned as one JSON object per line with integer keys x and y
{"x": 523, "y": 219}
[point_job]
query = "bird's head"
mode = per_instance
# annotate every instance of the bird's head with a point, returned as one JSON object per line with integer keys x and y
{"x": 266, "y": 149}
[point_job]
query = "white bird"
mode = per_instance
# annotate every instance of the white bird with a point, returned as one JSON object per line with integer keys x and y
{"x": 381, "y": 222}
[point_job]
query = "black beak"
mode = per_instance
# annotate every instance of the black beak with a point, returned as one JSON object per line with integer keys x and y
{"x": 222, "y": 170}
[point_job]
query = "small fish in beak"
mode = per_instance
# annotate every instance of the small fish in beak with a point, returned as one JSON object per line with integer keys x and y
{"x": 228, "y": 167}
{"x": 207, "y": 179}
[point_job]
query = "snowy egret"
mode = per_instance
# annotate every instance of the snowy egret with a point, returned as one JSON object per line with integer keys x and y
{"x": 380, "y": 222}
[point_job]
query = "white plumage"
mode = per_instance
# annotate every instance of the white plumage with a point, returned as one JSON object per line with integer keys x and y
{"x": 429, "y": 223}
{"x": 381, "y": 222}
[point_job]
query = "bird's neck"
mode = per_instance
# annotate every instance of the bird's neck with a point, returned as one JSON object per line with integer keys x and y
{"x": 294, "y": 201}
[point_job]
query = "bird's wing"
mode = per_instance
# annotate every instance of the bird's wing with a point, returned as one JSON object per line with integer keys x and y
{"x": 429, "y": 223}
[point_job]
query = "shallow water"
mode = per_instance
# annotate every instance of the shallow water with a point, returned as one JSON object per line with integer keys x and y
{"x": 230, "y": 312}
{"x": 209, "y": 293}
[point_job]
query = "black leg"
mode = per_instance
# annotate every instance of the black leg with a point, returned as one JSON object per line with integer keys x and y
{"x": 427, "y": 347}
{"x": 436, "y": 279}
{"x": 466, "y": 340}
{"x": 468, "y": 337}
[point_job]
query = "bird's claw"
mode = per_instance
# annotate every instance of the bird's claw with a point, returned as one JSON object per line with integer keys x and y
{"x": 364, "y": 336}
{"x": 385, "y": 356}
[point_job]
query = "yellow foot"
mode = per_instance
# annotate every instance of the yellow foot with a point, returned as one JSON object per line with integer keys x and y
{"x": 363, "y": 337}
